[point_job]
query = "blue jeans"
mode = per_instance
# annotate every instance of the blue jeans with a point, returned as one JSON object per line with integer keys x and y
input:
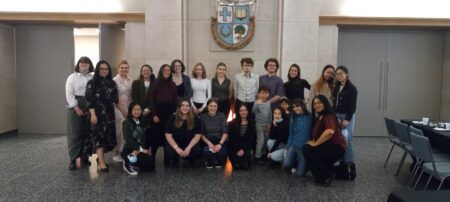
{"x": 348, "y": 135}
{"x": 278, "y": 154}
{"x": 293, "y": 153}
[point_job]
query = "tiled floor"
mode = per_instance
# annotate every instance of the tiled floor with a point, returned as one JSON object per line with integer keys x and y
{"x": 34, "y": 167}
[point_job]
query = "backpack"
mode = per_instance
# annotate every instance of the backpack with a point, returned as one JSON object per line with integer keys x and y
{"x": 345, "y": 171}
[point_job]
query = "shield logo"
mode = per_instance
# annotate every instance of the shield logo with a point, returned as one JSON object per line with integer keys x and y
{"x": 233, "y": 28}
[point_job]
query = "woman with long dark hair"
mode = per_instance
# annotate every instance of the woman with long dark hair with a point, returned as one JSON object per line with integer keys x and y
{"x": 163, "y": 98}
{"x": 327, "y": 144}
{"x": 101, "y": 95}
{"x": 242, "y": 135}
{"x": 77, "y": 123}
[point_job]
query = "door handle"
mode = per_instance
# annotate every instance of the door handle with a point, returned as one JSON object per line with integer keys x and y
{"x": 386, "y": 83}
{"x": 380, "y": 86}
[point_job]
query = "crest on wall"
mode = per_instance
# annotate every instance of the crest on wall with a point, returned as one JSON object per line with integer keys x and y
{"x": 233, "y": 27}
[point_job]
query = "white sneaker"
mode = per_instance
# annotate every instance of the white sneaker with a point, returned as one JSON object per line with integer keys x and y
{"x": 293, "y": 170}
{"x": 129, "y": 169}
{"x": 117, "y": 159}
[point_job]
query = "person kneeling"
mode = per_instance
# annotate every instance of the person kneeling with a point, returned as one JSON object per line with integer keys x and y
{"x": 215, "y": 134}
{"x": 183, "y": 132}
{"x": 133, "y": 153}
{"x": 279, "y": 132}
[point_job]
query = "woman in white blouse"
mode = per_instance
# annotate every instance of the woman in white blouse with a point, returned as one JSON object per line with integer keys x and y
{"x": 123, "y": 83}
{"x": 201, "y": 88}
{"x": 77, "y": 109}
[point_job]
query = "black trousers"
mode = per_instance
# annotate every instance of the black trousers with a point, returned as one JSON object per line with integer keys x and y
{"x": 144, "y": 161}
{"x": 240, "y": 162}
{"x": 249, "y": 107}
{"x": 224, "y": 107}
{"x": 320, "y": 159}
{"x": 172, "y": 155}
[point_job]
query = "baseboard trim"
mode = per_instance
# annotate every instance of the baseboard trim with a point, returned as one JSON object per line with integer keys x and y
{"x": 9, "y": 133}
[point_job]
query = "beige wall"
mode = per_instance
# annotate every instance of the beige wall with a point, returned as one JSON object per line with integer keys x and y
{"x": 8, "y": 98}
{"x": 180, "y": 29}
{"x": 445, "y": 98}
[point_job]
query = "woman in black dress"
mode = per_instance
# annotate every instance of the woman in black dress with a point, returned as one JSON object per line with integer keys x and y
{"x": 163, "y": 99}
{"x": 101, "y": 95}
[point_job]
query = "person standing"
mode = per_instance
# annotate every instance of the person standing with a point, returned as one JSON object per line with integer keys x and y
{"x": 123, "y": 83}
{"x": 246, "y": 85}
{"x": 263, "y": 118}
{"x": 324, "y": 85}
{"x": 344, "y": 99}
{"x": 222, "y": 89}
{"x": 273, "y": 82}
{"x": 77, "y": 110}
{"x": 201, "y": 88}
{"x": 101, "y": 95}
{"x": 295, "y": 86}
{"x": 182, "y": 81}
{"x": 139, "y": 94}
{"x": 163, "y": 98}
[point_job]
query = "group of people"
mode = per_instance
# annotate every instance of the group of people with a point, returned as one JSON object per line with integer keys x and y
{"x": 187, "y": 117}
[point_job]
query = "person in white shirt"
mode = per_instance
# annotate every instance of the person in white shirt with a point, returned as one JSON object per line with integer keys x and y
{"x": 246, "y": 85}
{"x": 76, "y": 113}
{"x": 201, "y": 88}
{"x": 123, "y": 83}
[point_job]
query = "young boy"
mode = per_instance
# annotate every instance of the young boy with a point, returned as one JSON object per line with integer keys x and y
{"x": 263, "y": 117}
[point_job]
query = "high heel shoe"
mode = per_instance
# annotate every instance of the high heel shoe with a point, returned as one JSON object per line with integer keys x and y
{"x": 100, "y": 168}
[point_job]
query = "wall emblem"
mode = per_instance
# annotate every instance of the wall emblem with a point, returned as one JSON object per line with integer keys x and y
{"x": 234, "y": 26}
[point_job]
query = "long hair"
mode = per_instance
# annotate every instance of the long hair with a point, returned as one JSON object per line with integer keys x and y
{"x": 327, "y": 110}
{"x": 97, "y": 76}
{"x": 130, "y": 112}
{"x": 84, "y": 59}
{"x": 318, "y": 85}
{"x": 298, "y": 72}
{"x": 239, "y": 118}
{"x": 283, "y": 114}
{"x": 190, "y": 118}
{"x": 160, "y": 79}
{"x": 152, "y": 76}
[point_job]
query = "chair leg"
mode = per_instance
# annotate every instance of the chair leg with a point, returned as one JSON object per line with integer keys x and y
{"x": 415, "y": 170}
{"x": 389, "y": 155}
{"x": 418, "y": 179}
{"x": 401, "y": 163}
{"x": 428, "y": 182}
{"x": 442, "y": 182}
